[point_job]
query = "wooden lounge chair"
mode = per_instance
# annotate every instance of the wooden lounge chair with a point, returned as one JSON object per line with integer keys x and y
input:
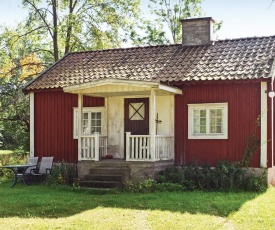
{"x": 45, "y": 168}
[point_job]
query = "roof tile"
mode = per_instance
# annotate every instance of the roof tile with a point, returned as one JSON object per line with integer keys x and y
{"x": 246, "y": 58}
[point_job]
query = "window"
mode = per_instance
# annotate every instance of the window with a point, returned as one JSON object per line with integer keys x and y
{"x": 93, "y": 121}
{"x": 137, "y": 111}
{"x": 207, "y": 121}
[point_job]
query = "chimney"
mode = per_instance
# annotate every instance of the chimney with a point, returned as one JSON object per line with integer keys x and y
{"x": 197, "y": 31}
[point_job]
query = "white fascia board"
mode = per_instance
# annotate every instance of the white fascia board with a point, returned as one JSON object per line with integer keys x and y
{"x": 146, "y": 84}
{"x": 170, "y": 89}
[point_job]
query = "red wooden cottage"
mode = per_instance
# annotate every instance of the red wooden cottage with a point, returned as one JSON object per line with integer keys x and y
{"x": 154, "y": 106}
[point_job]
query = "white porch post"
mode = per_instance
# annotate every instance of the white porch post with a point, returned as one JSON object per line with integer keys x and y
{"x": 263, "y": 124}
{"x": 32, "y": 124}
{"x": 80, "y": 111}
{"x": 153, "y": 124}
{"x": 96, "y": 146}
{"x": 128, "y": 146}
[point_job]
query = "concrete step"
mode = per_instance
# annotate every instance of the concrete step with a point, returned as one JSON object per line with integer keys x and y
{"x": 109, "y": 171}
{"x": 99, "y": 184}
{"x": 104, "y": 177}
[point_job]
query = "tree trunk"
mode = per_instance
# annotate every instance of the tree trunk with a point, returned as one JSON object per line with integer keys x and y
{"x": 69, "y": 29}
{"x": 55, "y": 31}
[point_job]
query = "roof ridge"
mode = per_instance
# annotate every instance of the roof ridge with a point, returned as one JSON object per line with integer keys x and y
{"x": 169, "y": 45}
{"x": 126, "y": 48}
{"x": 245, "y": 38}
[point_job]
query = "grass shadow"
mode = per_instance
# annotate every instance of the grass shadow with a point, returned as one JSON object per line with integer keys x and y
{"x": 51, "y": 202}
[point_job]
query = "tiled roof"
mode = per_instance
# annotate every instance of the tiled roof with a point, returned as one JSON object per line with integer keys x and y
{"x": 246, "y": 58}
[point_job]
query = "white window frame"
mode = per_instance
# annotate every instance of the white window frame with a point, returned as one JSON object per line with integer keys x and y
{"x": 90, "y": 110}
{"x": 208, "y": 107}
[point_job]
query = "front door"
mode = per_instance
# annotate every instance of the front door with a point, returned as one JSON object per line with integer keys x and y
{"x": 136, "y": 117}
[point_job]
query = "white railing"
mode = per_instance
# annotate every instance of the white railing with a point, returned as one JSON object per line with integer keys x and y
{"x": 164, "y": 147}
{"x": 93, "y": 147}
{"x": 138, "y": 148}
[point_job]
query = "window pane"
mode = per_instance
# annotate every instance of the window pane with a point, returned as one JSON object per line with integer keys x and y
{"x": 196, "y": 129}
{"x": 203, "y": 129}
{"x": 196, "y": 121}
{"x": 212, "y": 121}
{"x": 199, "y": 121}
{"x": 219, "y": 112}
{"x": 202, "y": 113}
{"x": 218, "y": 129}
{"x": 203, "y": 121}
{"x": 219, "y": 121}
{"x": 216, "y": 121}
{"x": 196, "y": 113}
{"x": 95, "y": 122}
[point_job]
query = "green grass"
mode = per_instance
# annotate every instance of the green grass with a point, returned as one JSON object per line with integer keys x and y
{"x": 41, "y": 207}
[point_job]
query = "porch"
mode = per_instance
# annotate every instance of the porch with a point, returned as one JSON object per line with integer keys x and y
{"x": 136, "y": 123}
{"x": 138, "y": 147}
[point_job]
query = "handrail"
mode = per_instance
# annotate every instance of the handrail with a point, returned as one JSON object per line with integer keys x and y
{"x": 138, "y": 147}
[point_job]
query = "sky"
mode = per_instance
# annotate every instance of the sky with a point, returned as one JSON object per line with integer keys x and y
{"x": 241, "y": 18}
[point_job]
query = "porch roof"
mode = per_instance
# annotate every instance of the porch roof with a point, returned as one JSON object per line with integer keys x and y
{"x": 118, "y": 87}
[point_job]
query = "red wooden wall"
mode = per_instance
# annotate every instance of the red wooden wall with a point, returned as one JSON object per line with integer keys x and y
{"x": 243, "y": 109}
{"x": 53, "y": 124}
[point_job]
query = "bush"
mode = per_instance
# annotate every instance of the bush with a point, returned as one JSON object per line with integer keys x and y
{"x": 62, "y": 174}
{"x": 225, "y": 176}
{"x": 11, "y": 159}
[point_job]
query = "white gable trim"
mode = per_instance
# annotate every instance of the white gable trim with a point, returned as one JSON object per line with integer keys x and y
{"x": 116, "y": 87}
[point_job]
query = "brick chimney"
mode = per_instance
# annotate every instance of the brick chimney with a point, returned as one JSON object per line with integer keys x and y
{"x": 197, "y": 31}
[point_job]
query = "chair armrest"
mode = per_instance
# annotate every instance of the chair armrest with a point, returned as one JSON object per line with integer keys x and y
{"x": 34, "y": 171}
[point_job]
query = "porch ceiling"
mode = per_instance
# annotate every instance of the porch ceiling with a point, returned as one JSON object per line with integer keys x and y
{"x": 115, "y": 87}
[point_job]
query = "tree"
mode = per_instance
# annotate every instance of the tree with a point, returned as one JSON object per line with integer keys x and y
{"x": 74, "y": 25}
{"x": 17, "y": 67}
{"x": 164, "y": 26}
{"x": 52, "y": 29}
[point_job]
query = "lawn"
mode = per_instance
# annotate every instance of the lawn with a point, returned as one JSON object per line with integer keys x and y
{"x": 41, "y": 207}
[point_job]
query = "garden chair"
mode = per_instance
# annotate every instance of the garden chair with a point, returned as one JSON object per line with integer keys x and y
{"x": 44, "y": 169}
{"x": 29, "y": 160}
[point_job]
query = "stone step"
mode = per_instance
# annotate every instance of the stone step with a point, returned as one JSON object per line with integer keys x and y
{"x": 104, "y": 177}
{"x": 99, "y": 184}
{"x": 109, "y": 170}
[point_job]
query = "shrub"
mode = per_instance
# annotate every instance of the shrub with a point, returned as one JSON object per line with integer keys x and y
{"x": 11, "y": 159}
{"x": 62, "y": 174}
{"x": 171, "y": 175}
{"x": 225, "y": 176}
